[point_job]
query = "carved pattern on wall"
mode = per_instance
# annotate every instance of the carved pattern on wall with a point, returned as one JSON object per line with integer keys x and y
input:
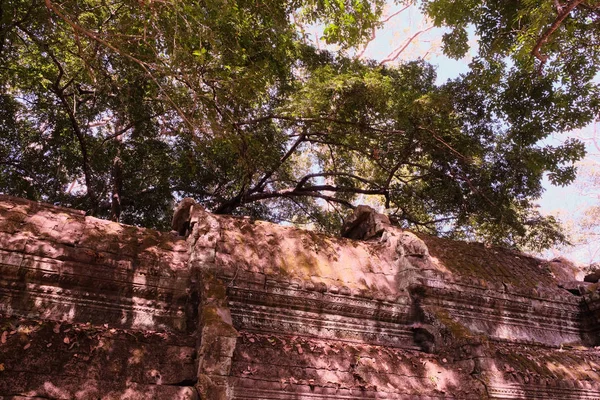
{"x": 558, "y": 390}
{"x": 320, "y": 315}
{"x": 323, "y": 302}
{"x": 66, "y": 290}
{"x": 482, "y": 310}
{"x": 246, "y": 389}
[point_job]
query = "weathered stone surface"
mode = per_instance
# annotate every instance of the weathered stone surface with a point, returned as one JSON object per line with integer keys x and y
{"x": 91, "y": 308}
{"x": 365, "y": 223}
{"x": 61, "y": 360}
{"x": 592, "y": 277}
{"x": 245, "y": 309}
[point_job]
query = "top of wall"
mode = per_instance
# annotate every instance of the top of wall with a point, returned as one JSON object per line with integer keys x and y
{"x": 380, "y": 266}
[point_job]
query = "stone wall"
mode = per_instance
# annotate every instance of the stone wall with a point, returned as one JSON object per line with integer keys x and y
{"x": 92, "y": 309}
{"x": 245, "y": 309}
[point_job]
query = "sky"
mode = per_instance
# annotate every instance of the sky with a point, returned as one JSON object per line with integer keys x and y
{"x": 408, "y": 35}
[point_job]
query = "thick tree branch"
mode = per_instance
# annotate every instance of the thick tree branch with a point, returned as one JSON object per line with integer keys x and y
{"x": 60, "y": 93}
{"x": 245, "y": 197}
{"x": 407, "y": 148}
{"x": 290, "y": 194}
{"x": 563, "y": 12}
{"x": 304, "y": 179}
{"x": 331, "y": 188}
{"x": 260, "y": 185}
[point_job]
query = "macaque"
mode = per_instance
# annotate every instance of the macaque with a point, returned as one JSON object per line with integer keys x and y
{"x": 181, "y": 216}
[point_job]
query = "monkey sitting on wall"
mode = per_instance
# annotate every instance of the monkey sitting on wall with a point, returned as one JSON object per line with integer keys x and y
{"x": 181, "y": 216}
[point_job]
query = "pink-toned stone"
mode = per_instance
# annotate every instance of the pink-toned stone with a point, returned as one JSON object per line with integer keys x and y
{"x": 246, "y": 309}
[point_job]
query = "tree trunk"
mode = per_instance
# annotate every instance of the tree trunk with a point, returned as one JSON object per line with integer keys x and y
{"x": 116, "y": 180}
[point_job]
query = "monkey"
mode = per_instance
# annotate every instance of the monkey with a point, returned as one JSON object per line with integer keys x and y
{"x": 181, "y": 216}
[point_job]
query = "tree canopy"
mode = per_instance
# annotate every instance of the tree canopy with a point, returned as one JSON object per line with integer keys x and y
{"x": 121, "y": 107}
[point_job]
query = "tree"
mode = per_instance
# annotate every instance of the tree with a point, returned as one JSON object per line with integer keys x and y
{"x": 544, "y": 55}
{"x": 117, "y": 108}
{"x": 581, "y": 215}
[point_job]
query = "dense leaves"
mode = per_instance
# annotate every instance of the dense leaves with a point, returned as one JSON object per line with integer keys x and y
{"x": 119, "y": 108}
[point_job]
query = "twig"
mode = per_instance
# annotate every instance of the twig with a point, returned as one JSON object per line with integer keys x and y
{"x": 396, "y": 53}
{"x": 381, "y": 23}
{"x": 316, "y": 120}
{"x": 237, "y": 270}
{"x": 442, "y": 141}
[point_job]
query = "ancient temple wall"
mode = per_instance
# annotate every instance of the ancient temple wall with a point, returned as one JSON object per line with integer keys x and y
{"x": 92, "y": 308}
{"x": 245, "y": 309}
{"x": 395, "y": 316}
{"x": 591, "y": 317}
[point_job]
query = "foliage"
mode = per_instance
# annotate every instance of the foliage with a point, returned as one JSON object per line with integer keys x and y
{"x": 582, "y": 222}
{"x": 118, "y": 108}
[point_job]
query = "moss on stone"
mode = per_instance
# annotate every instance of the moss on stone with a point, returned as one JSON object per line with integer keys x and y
{"x": 457, "y": 330}
{"x": 214, "y": 288}
{"x": 213, "y": 320}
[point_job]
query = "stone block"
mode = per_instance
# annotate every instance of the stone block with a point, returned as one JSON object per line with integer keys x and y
{"x": 12, "y": 259}
{"x": 365, "y": 223}
{"x": 203, "y": 256}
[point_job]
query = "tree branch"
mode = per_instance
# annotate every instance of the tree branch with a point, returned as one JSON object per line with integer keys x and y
{"x": 563, "y": 12}
{"x": 24, "y": 173}
{"x": 290, "y": 194}
{"x": 126, "y": 128}
{"x": 145, "y": 66}
{"x": 342, "y": 189}
{"x": 442, "y": 141}
{"x": 396, "y": 53}
{"x": 60, "y": 93}
{"x": 392, "y": 15}
{"x": 412, "y": 220}
{"x": 259, "y": 185}
{"x": 315, "y": 120}
{"x": 304, "y": 179}
{"x": 351, "y": 148}
{"x": 13, "y": 24}
{"x": 374, "y": 31}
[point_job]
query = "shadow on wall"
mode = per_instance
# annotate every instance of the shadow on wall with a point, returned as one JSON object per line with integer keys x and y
{"x": 107, "y": 312}
{"x": 65, "y": 266}
{"x": 44, "y": 359}
{"x": 91, "y": 308}
{"x": 463, "y": 302}
{"x": 346, "y": 369}
{"x": 329, "y": 310}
